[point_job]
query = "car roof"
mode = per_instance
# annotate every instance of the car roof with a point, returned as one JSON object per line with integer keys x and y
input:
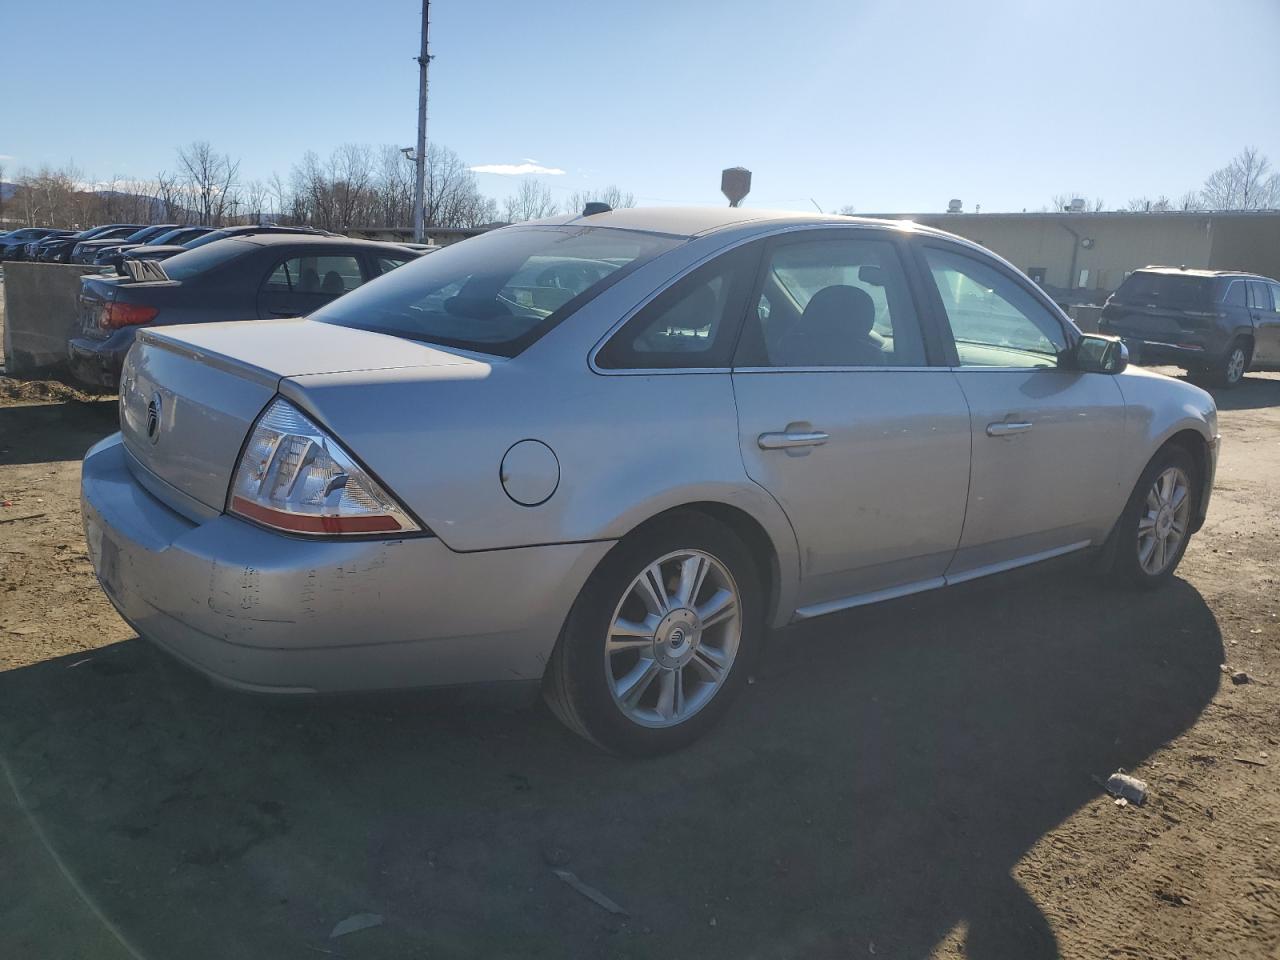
{"x": 698, "y": 221}
{"x": 1196, "y": 272}
{"x": 281, "y": 239}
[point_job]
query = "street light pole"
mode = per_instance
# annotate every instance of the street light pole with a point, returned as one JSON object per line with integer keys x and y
{"x": 420, "y": 161}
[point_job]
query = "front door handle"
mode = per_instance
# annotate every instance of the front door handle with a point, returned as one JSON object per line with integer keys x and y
{"x": 792, "y": 438}
{"x": 1007, "y": 428}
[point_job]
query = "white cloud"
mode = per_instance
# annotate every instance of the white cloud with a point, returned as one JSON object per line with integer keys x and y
{"x": 7, "y": 156}
{"x": 517, "y": 169}
{"x": 528, "y": 160}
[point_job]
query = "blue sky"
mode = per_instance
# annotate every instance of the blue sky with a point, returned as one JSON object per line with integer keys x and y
{"x": 887, "y": 106}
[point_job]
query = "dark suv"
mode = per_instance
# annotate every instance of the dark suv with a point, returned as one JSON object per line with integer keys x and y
{"x": 1216, "y": 324}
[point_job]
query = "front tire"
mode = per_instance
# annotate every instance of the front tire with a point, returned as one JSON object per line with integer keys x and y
{"x": 661, "y": 638}
{"x": 1153, "y": 531}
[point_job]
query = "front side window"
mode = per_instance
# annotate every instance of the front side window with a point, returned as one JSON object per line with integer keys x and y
{"x": 498, "y": 292}
{"x": 387, "y": 264}
{"x": 1275, "y": 297}
{"x": 832, "y": 302}
{"x": 994, "y": 321}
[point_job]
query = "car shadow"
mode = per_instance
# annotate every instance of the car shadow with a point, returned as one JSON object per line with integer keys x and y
{"x": 1253, "y": 392}
{"x": 42, "y": 432}
{"x": 872, "y": 791}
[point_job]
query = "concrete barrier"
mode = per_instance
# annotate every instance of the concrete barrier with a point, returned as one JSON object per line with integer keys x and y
{"x": 40, "y": 316}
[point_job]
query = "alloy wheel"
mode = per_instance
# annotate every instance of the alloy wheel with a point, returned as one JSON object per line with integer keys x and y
{"x": 1163, "y": 523}
{"x": 1235, "y": 365}
{"x": 673, "y": 638}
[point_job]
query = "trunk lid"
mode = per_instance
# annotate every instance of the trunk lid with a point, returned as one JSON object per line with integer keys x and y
{"x": 190, "y": 394}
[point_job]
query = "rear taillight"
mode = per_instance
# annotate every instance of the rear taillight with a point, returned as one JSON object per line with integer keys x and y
{"x": 294, "y": 477}
{"x": 113, "y": 316}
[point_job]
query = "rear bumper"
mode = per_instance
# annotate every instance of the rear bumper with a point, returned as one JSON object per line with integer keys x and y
{"x": 1188, "y": 349}
{"x": 96, "y": 362}
{"x": 259, "y": 611}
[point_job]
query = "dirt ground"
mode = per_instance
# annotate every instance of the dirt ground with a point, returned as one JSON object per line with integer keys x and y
{"x": 910, "y": 780}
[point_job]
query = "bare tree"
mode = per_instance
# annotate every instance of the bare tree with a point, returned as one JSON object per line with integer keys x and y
{"x": 531, "y": 202}
{"x": 1161, "y": 204}
{"x": 611, "y": 195}
{"x": 1191, "y": 200}
{"x": 1246, "y": 183}
{"x": 847, "y": 210}
{"x": 210, "y": 180}
{"x": 257, "y": 196}
{"x": 1062, "y": 201}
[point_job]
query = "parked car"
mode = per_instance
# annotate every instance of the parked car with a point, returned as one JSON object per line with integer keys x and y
{"x": 59, "y": 251}
{"x": 13, "y": 245}
{"x": 222, "y": 233}
{"x": 1215, "y": 324}
{"x": 247, "y": 277}
{"x": 114, "y": 256}
{"x": 86, "y": 251}
{"x": 604, "y": 453}
{"x": 33, "y": 252}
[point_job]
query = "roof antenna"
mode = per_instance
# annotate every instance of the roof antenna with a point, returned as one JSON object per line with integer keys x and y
{"x": 594, "y": 207}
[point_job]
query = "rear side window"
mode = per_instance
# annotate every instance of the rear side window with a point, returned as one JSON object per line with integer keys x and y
{"x": 1259, "y": 295}
{"x": 1235, "y": 294}
{"x": 329, "y": 275}
{"x": 833, "y": 302}
{"x": 1165, "y": 290}
{"x": 692, "y": 324}
{"x": 1275, "y": 297}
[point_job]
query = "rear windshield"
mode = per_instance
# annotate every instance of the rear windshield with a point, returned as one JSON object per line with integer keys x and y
{"x": 1166, "y": 289}
{"x": 498, "y": 292}
{"x": 209, "y": 237}
{"x": 183, "y": 266}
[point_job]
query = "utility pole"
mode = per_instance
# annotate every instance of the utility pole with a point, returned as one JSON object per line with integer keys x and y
{"x": 420, "y": 161}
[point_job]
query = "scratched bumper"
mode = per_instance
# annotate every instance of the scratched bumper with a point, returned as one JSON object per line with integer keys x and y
{"x": 260, "y": 611}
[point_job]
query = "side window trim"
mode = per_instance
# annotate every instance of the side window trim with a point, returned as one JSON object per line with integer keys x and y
{"x": 939, "y": 311}
{"x": 935, "y": 353}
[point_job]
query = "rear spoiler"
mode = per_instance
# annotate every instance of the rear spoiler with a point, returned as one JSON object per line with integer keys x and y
{"x": 141, "y": 271}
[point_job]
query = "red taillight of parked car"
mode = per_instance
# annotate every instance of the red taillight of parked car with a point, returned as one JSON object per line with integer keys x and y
{"x": 113, "y": 316}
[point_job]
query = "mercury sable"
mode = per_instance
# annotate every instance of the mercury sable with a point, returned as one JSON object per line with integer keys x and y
{"x": 606, "y": 453}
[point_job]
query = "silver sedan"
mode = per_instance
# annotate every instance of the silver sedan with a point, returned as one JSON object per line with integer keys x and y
{"x": 604, "y": 454}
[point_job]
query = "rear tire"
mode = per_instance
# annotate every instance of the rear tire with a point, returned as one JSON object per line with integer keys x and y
{"x": 1230, "y": 370}
{"x": 661, "y": 638}
{"x": 1153, "y": 531}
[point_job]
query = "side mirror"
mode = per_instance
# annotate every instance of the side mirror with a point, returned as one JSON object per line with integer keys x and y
{"x": 1095, "y": 353}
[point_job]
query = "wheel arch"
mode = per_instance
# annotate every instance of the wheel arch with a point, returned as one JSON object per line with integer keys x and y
{"x": 1196, "y": 446}
{"x": 774, "y": 551}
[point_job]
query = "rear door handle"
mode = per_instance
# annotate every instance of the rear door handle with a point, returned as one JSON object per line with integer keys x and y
{"x": 790, "y": 439}
{"x": 1007, "y": 428}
